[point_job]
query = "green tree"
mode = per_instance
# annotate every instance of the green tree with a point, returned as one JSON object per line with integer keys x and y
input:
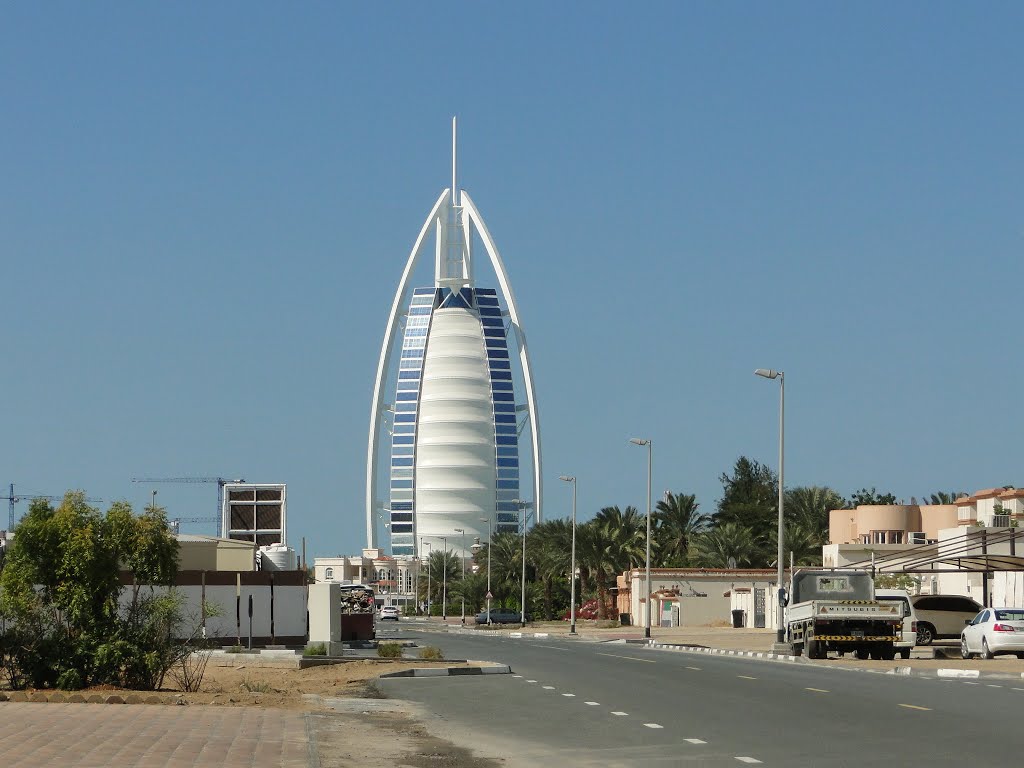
{"x": 943, "y": 497}
{"x": 808, "y": 507}
{"x": 749, "y": 498}
{"x": 59, "y": 596}
{"x": 865, "y": 497}
{"x": 729, "y": 545}
{"x": 550, "y": 558}
{"x": 677, "y": 520}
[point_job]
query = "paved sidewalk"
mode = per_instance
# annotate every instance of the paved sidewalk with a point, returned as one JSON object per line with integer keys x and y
{"x": 144, "y": 736}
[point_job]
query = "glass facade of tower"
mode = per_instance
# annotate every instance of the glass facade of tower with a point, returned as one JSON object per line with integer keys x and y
{"x": 471, "y": 306}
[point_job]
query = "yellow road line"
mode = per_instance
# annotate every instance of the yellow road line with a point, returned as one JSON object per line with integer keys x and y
{"x": 913, "y": 706}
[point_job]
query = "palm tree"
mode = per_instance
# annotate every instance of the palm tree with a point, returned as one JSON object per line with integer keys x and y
{"x": 942, "y": 497}
{"x": 549, "y": 555}
{"x": 473, "y": 588}
{"x": 803, "y": 541}
{"x": 677, "y": 521}
{"x": 608, "y": 545}
{"x": 506, "y": 564}
{"x": 809, "y": 508}
{"x": 729, "y": 545}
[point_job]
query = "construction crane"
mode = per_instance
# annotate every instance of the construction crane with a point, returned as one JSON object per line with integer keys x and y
{"x": 12, "y": 500}
{"x": 220, "y": 481}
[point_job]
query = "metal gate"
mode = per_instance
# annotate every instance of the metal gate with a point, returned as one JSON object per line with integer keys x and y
{"x": 759, "y": 607}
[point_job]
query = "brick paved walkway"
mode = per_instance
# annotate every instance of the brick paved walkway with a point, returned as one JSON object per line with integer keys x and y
{"x": 150, "y": 736}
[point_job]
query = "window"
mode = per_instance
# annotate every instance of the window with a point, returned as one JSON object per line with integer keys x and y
{"x": 329, "y": 574}
{"x": 419, "y": 311}
{"x": 401, "y": 461}
{"x": 405, "y": 407}
{"x": 405, "y": 417}
{"x": 404, "y": 429}
{"x": 397, "y": 472}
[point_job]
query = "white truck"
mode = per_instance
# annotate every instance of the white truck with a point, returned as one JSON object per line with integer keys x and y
{"x": 837, "y": 611}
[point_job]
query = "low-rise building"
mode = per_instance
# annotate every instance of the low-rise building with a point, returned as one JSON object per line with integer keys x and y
{"x": 694, "y": 597}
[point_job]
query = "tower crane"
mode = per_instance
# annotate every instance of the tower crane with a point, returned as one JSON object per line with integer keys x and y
{"x": 220, "y": 481}
{"x": 12, "y": 500}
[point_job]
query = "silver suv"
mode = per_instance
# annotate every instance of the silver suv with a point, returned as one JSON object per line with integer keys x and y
{"x": 942, "y": 616}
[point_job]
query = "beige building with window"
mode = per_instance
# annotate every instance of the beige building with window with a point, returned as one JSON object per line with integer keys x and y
{"x": 876, "y": 524}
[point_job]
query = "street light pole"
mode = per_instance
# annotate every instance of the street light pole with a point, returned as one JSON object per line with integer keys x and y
{"x": 572, "y": 561}
{"x": 427, "y": 544}
{"x": 463, "y": 558}
{"x": 522, "y": 600}
{"x": 647, "y": 577}
{"x": 781, "y": 376}
{"x": 488, "y": 521}
{"x": 444, "y": 580}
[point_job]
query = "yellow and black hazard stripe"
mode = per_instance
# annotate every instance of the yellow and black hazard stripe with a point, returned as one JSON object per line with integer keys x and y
{"x": 856, "y": 602}
{"x": 852, "y": 638}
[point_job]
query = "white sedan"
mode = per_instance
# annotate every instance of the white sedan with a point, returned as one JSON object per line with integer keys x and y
{"x": 994, "y": 631}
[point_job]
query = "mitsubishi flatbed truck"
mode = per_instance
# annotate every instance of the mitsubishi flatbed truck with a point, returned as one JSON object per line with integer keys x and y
{"x": 837, "y": 611}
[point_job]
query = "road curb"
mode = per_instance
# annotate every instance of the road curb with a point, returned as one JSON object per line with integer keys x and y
{"x": 944, "y": 672}
{"x": 450, "y": 671}
{"x": 724, "y": 652}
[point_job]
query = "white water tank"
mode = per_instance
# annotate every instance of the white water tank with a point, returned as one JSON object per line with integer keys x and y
{"x": 278, "y": 557}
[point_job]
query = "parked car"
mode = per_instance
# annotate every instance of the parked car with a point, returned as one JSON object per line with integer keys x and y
{"x": 389, "y": 612}
{"x": 940, "y": 616}
{"x": 908, "y": 637}
{"x": 992, "y": 632}
{"x": 500, "y": 617}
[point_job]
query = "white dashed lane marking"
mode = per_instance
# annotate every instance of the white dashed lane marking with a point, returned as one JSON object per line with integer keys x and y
{"x": 750, "y": 760}
{"x": 569, "y": 695}
{"x": 517, "y": 676}
{"x": 695, "y": 741}
{"x": 1017, "y": 689}
{"x": 631, "y": 658}
{"x": 531, "y": 681}
{"x": 914, "y": 706}
{"x": 548, "y": 687}
{"x": 621, "y": 714}
{"x": 816, "y": 690}
{"x": 695, "y": 669}
{"x": 653, "y": 725}
{"x": 746, "y": 677}
{"x": 990, "y": 685}
{"x": 591, "y": 703}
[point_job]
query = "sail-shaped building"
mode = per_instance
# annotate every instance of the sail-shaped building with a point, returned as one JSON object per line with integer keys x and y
{"x": 461, "y": 407}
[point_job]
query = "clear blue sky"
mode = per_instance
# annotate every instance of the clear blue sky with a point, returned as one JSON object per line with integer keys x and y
{"x": 204, "y": 212}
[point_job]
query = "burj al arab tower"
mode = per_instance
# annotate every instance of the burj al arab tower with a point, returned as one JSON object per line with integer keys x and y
{"x": 464, "y": 399}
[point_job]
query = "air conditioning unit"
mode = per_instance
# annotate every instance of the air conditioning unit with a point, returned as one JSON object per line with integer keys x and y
{"x": 917, "y": 537}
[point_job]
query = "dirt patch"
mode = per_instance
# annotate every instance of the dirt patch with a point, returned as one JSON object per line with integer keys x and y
{"x": 282, "y": 688}
{"x": 384, "y": 741}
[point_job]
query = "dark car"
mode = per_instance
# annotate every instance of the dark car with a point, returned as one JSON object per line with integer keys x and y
{"x": 500, "y": 617}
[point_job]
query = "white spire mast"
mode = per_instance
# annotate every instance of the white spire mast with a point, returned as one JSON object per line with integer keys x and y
{"x": 455, "y": 193}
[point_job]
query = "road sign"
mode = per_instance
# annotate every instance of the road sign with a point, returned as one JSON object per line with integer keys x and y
{"x": 490, "y": 596}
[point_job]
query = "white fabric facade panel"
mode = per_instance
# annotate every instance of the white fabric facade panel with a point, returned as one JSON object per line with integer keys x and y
{"x": 455, "y": 451}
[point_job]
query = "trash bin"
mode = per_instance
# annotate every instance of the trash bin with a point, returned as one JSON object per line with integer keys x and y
{"x": 739, "y": 618}
{"x": 624, "y": 619}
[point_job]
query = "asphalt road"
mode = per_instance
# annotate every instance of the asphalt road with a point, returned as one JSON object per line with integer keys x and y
{"x": 578, "y": 703}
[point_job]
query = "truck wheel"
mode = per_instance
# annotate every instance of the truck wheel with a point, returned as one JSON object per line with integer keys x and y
{"x": 812, "y": 649}
{"x": 861, "y": 653}
{"x": 925, "y": 633}
{"x": 904, "y": 653}
{"x": 888, "y": 654}
{"x": 798, "y": 648}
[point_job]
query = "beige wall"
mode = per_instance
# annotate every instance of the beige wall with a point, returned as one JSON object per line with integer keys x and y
{"x": 212, "y": 554}
{"x": 935, "y": 517}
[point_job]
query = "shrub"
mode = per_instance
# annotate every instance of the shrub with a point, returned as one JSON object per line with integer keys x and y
{"x": 389, "y": 650}
{"x": 316, "y": 649}
{"x": 70, "y": 680}
{"x": 255, "y": 686}
{"x": 431, "y": 653}
{"x": 235, "y": 649}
